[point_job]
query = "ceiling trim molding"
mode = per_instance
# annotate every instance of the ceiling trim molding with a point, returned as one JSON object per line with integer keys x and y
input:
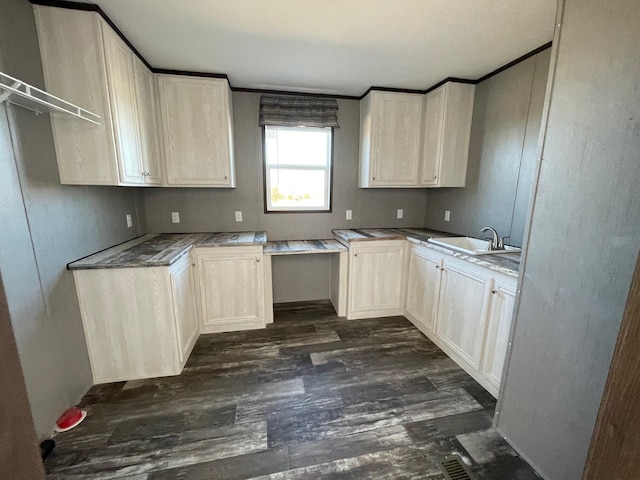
{"x": 515, "y": 62}
{"x": 91, "y": 7}
{"x": 298, "y": 94}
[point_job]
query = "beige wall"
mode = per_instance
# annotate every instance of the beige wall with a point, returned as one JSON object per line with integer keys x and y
{"x": 44, "y": 226}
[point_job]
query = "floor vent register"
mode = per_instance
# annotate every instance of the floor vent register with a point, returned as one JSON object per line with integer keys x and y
{"x": 454, "y": 469}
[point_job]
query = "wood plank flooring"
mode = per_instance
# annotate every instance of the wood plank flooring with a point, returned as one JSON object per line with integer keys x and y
{"x": 312, "y": 396}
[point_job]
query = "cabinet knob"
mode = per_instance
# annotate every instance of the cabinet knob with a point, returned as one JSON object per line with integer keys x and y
{"x": 438, "y": 267}
{"x": 355, "y": 254}
{"x": 435, "y": 176}
{"x": 494, "y": 291}
{"x": 258, "y": 259}
{"x": 373, "y": 178}
{"x": 226, "y": 177}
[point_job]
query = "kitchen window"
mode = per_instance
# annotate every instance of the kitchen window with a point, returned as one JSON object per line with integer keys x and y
{"x": 298, "y": 152}
{"x": 297, "y": 169}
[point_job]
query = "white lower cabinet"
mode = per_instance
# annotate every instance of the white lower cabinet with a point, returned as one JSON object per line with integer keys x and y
{"x": 138, "y": 322}
{"x": 463, "y": 308}
{"x": 231, "y": 293}
{"x": 376, "y": 278}
{"x": 502, "y": 302}
{"x": 423, "y": 287}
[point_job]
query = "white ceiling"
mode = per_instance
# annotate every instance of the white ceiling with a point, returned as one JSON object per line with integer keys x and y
{"x": 334, "y": 46}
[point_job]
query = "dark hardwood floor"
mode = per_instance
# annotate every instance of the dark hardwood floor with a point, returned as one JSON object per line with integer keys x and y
{"x": 312, "y": 396}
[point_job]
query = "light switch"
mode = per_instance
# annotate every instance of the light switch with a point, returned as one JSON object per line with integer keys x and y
{"x": 129, "y": 220}
{"x": 447, "y": 215}
{"x": 238, "y": 216}
{"x": 349, "y": 215}
{"x": 175, "y": 217}
{"x": 400, "y": 213}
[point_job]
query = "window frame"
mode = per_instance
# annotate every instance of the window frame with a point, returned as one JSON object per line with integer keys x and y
{"x": 265, "y": 172}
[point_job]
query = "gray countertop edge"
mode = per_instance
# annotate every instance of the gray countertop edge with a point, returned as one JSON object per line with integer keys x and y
{"x": 166, "y": 262}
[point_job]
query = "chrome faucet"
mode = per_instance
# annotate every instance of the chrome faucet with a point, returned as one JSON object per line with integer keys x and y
{"x": 495, "y": 243}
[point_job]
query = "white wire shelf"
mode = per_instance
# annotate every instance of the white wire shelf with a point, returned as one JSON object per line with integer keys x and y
{"x": 17, "y": 92}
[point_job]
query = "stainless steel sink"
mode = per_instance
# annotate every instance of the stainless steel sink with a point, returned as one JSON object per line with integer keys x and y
{"x": 471, "y": 246}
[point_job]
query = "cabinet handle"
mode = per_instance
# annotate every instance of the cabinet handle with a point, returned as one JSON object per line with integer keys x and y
{"x": 494, "y": 291}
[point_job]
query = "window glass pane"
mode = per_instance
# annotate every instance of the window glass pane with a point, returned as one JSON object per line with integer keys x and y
{"x": 297, "y": 146}
{"x": 297, "y": 188}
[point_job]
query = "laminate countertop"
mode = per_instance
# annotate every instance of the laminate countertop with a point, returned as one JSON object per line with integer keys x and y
{"x": 507, "y": 263}
{"x": 157, "y": 250}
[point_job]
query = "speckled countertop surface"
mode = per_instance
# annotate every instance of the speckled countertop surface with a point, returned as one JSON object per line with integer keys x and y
{"x": 506, "y": 263}
{"x": 296, "y": 247}
{"x": 157, "y": 250}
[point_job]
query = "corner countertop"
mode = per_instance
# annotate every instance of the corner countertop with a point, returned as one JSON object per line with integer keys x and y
{"x": 157, "y": 250}
{"x": 506, "y": 263}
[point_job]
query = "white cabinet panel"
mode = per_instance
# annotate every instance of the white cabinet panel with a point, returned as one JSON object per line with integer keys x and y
{"x": 231, "y": 291}
{"x": 423, "y": 287}
{"x": 502, "y": 303}
{"x": 390, "y": 139}
{"x": 148, "y": 123}
{"x": 74, "y": 69}
{"x": 447, "y": 132}
{"x": 184, "y": 306}
{"x": 376, "y": 278}
{"x": 121, "y": 78}
{"x": 462, "y": 310}
{"x": 129, "y": 323}
{"x": 197, "y": 130}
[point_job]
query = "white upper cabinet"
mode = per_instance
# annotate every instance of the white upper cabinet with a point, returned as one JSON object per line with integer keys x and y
{"x": 85, "y": 61}
{"x": 197, "y": 127}
{"x": 74, "y": 68}
{"x": 390, "y": 139}
{"x": 121, "y": 81}
{"x": 447, "y": 131}
{"x": 148, "y": 121}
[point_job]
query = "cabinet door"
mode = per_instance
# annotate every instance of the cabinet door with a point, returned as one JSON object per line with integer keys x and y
{"x": 230, "y": 288}
{"x": 433, "y": 136}
{"x": 147, "y": 122}
{"x": 184, "y": 307}
{"x": 495, "y": 350}
{"x": 74, "y": 69}
{"x": 376, "y": 273}
{"x": 396, "y": 133}
{"x": 197, "y": 127}
{"x": 122, "y": 92}
{"x": 462, "y": 311}
{"x": 423, "y": 288}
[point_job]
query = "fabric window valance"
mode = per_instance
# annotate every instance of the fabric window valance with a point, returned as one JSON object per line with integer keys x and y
{"x": 298, "y": 111}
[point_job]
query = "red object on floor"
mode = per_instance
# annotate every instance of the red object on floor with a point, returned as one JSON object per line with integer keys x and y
{"x": 70, "y": 419}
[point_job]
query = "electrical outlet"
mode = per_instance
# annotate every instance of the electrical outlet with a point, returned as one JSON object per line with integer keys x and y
{"x": 447, "y": 215}
{"x": 129, "y": 221}
{"x": 349, "y": 215}
{"x": 238, "y": 216}
{"x": 175, "y": 217}
{"x": 400, "y": 213}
